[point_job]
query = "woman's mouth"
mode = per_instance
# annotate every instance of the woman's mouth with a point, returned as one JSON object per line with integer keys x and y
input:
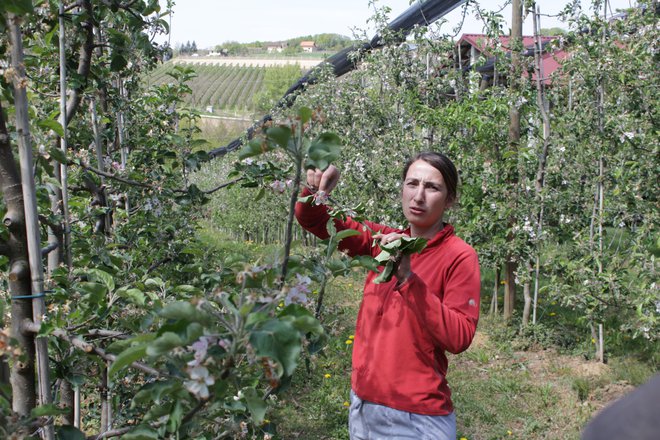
{"x": 416, "y": 211}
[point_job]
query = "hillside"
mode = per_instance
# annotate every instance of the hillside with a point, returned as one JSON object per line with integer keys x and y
{"x": 227, "y": 84}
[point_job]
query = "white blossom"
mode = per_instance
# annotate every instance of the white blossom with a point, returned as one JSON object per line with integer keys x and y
{"x": 200, "y": 379}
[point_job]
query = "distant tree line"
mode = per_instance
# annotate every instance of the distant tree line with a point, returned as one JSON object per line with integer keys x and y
{"x": 187, "y": 48}
{"x": 324, "y": 42}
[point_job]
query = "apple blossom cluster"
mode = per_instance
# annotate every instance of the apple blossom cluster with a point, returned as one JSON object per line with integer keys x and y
{"x": 298, "y": 293}
{"x": 280, "y": 187}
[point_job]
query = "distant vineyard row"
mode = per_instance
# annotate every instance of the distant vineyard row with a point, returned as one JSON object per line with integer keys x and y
{"x": 218, "y": 87}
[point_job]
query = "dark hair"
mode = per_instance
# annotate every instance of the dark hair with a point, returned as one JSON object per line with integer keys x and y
{"x": 443, "y": 164}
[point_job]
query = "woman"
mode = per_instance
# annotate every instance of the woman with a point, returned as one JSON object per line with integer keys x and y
{"x": 405, "y": 326}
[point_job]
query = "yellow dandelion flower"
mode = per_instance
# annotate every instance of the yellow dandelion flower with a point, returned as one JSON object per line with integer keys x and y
{"x": 552, "y": 313}
{"x": 351, "y": 337}
{"x": 593, "y": 340}
{"x": 349, "y": 342}
{"x": 281, "y": 304}
{"x": 509, "y": 433}
{"x": 346, "y": 404}
{"x": 327, "y": 375}
{"x": 464, "y": 438}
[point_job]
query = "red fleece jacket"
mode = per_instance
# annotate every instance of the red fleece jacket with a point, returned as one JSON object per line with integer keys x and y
{"x": 402, "y": 334}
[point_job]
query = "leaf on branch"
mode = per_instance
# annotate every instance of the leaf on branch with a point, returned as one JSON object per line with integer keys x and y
{"x": 48, "y": 410}
{"x": 127, "y": 357}
{"x": 323, "y": 151}
{"x": 57, "y": 154}
{"x": 17, "y": 6}
{"x": 52, "y": 125}
{"x": 255, "y": 404}
{"x": 68, "y": 432}
{"x": 279, "y": 341}
{"x": 141, "y": 433}
{"x": 280, "y": 135}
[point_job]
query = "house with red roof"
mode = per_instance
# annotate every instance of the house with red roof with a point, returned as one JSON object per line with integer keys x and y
{"x": 480, "y": 52}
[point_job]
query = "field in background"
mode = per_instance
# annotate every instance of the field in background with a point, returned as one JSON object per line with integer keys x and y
{"x": 222, "y": 89}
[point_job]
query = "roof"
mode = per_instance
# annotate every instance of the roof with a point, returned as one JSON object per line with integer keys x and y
{"x": 551, "y": 61}
{"x": 307, "y": 44}
{"x": 484, "y": 42}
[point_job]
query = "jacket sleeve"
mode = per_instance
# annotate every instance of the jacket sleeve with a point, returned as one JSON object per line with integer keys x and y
{"x": 452, "y": 320}
{"x": 314, "y": 218}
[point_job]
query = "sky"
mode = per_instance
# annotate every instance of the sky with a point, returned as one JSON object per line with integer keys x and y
{"x": 213, "y": 22}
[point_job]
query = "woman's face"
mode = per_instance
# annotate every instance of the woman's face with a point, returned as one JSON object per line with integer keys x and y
{"x": 424, "y": 199}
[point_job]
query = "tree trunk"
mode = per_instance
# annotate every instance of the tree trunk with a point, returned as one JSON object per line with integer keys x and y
{"x": 22, "y": 375}
{"x": 514, "y": 140}
{"x": 496, "y": 288}
{"x": 544, "y": 108}
{"x": 527, "y": 296}
{"x": 31, "y": 222}
{"x": 66, "y": 401}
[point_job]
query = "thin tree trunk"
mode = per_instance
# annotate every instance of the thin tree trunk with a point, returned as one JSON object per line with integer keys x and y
{"x": 496, "y": 288}
{"x": 527, "y": 296}
{"x": 66, "y": 401}
{"x": 514, "y": 140}
{"x": 105, "y": 410}
{"x": 30, "y": 207}
{"x": 22, "y": 375}
{"x": 542, "y": 103}
{"x": 64, "y": 141}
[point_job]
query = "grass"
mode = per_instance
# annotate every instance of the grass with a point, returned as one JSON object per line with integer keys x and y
{"x": 509, "y": 384}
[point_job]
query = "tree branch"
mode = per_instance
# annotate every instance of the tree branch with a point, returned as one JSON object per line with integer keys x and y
{"x": 84, "y": 62}
{"x": 75, "y": 341}
{"x": 223, "y": 185}
{"x": 109, "y": 175}
{"x": 4, "y": 248}
{"x": 110, "y": 434}
{"x": 48, "y": 249}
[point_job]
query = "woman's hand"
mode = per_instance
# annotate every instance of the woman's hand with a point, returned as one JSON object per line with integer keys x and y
{"x": 402, "y": 265}
{"x": 325, "y": 181}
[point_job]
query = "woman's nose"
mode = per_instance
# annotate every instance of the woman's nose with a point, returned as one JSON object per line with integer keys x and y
{"x": 419, "y": 194}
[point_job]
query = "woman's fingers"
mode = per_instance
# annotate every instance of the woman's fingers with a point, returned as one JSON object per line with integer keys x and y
{"x": 314, "y": 179}
{"x": 323, "y": 180}
{"x": 329, "y": 179}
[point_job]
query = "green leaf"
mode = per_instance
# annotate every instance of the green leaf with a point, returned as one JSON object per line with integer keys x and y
{"x": 254, "y": 148}
{"x": 17, "y": 6}
{"x": 127, "y": 357}
{"x": 154, "y": 391}
{"x": 260, "y": 194}
{"x": 132, "y": 295}
{"x": 185, "y": 311}
{"x": 52, "y": 125}
{"x": 117, "y": 62}
{"x": 305, "y": 114}
{"x": 102, "y": 277}
{"x": 174, "y": 420}
{"x": 280, "y": 135}
{"x": 141, "y": 433}
{"x": 255, "y": 405}
{"x": 365, "y": 261}
{"x": 164, "y": 343}
{"x": 48, "y": 410}
{"x": 279, "y": 341}
{"x": 324, "y": 150}
{"x": 57, "y": 154}
{"x": 346, "y": 233}
{"x": 386, "y": 274}
{"x": 68, "y": 432}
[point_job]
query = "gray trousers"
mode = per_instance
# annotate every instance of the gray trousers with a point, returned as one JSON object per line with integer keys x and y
{"x": 370, "y": 421}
